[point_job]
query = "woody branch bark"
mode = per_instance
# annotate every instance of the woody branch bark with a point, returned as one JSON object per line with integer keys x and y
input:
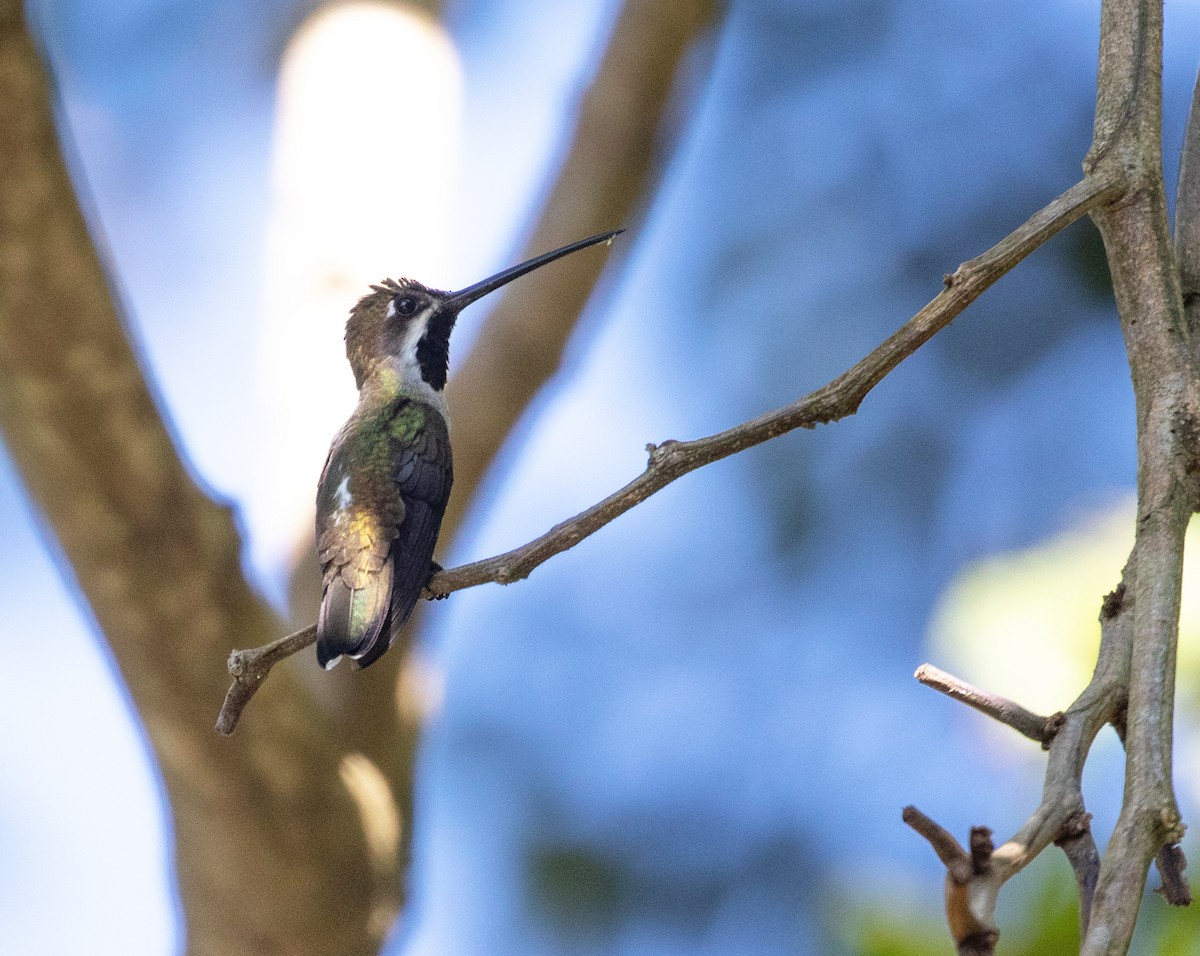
{"x": 1061, "y": 817}
{"x": 1171, "y": 862}
{"x": 1133, "y": 686}
{"x": 1162, "y": 361}
{"x": 267, "y": 842}
{"x": 1187, "y": 218}
{"x": 673, "y": 459}
{"x": 1031, "y": 725}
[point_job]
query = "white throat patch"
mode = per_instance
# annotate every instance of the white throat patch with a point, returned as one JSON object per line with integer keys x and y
{"x": 409, "y": 369}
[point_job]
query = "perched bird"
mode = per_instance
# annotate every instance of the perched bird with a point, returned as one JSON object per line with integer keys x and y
{"x": 385, "y": 484}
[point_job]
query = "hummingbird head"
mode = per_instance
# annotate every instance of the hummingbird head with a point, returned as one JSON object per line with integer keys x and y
{"x": 404, "y": 327}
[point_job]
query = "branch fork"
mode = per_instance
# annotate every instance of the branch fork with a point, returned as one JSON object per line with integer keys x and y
{"x": 972, "y": 889}
{"x": 969, "y": 897}
{"x": 973, "y": 881}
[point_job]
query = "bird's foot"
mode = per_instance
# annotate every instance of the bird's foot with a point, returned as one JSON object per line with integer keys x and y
{"x": 434, "y": 568}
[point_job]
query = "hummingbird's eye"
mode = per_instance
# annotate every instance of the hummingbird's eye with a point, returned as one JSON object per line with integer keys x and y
{"x": 405, "y": 305}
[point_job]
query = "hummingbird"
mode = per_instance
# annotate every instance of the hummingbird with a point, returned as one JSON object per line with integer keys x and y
{"x": 385, "y": 484}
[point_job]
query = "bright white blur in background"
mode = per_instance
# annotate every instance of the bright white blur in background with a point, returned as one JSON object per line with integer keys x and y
{"x": 364, "y": 170}
{"x": 364, "y": 167}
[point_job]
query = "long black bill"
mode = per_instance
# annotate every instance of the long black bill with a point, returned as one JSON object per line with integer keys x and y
{"x": 465, "y": 297}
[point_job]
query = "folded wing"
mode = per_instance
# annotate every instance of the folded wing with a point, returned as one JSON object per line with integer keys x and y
{"x": 380, "y": 504}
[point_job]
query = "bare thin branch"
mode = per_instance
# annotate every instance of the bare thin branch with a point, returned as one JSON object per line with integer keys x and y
{"x": 965, "y": 874}
{"x": 948, "y": 849}
{"x": 1026, "y": 722}
{"x": 832, "y": 402}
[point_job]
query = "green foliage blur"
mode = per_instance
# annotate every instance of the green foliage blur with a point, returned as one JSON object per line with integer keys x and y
{"x": 1043, "y": 921}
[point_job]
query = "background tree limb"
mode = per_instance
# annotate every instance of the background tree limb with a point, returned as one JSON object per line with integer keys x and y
{"x": 268, "y": 842}
{"x": 608, "y": 172}
{"x": 267, "y": 839}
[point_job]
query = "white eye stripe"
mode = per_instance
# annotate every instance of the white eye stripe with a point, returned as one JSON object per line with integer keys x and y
{"x": 391, "y": 309}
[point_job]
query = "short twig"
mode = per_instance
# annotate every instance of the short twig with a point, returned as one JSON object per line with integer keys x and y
{"x": 947, "y": 848}
{"x": 981, "y": 849}
{"x": 1033, "y": 726}
{"x": 250, "y": 668}
{"x": 1060, "y": 817}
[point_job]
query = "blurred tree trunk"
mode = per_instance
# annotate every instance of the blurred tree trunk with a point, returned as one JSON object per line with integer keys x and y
{"x": 268, "y": 842}
{"x": 273, "y": 854}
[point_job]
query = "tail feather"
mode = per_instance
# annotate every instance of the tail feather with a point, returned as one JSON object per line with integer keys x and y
{"x": 351, "y": 619}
